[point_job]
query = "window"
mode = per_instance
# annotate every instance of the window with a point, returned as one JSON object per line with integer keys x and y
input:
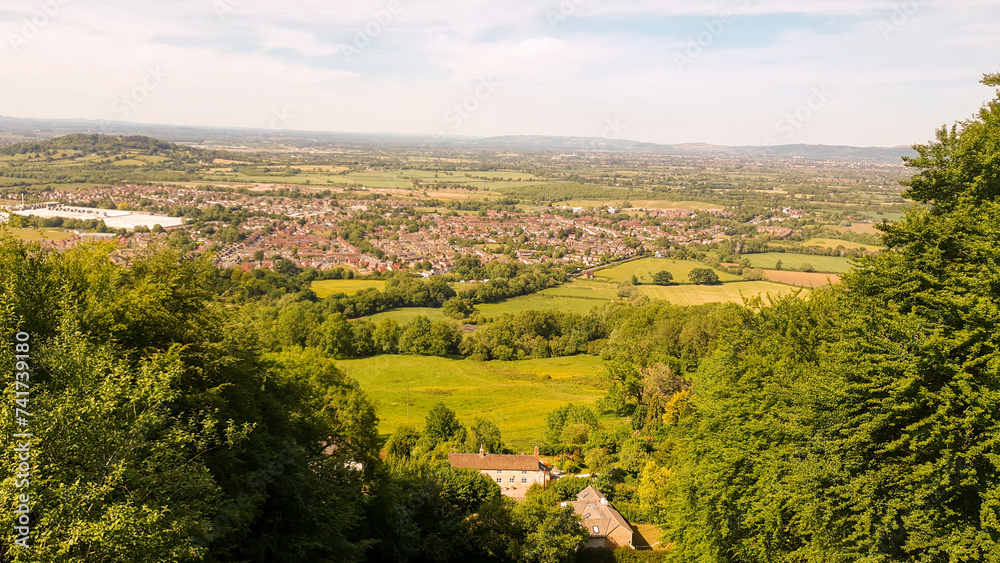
{"x": 597, "y": 530}
{"x": 585, "y": 516}
{"x": 524, "y": 473}
{"x": 499, "y": 480}
{"x": 524, "y": 481}
{"x": 499, "y": 471}
{"x": 511, "y": 479}
{"x": 584, "y": 495}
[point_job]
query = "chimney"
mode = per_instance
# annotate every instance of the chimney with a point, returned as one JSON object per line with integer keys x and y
{"x": 536, "y": 451}
{"x": 482, "y": 452}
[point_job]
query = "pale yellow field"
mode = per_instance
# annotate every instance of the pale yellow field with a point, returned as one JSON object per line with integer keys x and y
{"x": 834, "y": 243}
{"x": 864, "y": 228}
{"x": 325, "y": 288}
{"x": 801, "y": 279}
{"x": 37, "y": 234}
{"x": 733, "y": 292}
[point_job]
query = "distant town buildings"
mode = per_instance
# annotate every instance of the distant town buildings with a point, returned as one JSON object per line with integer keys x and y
{"x": 113, "y": 218}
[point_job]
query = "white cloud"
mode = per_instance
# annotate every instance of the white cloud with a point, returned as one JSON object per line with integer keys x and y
{"x": 239, "y": 67}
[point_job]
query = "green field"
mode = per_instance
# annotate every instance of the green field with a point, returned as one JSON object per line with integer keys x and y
{"x": 405, "y": 315}
{"x": 644, "y": 268}
{"x": 514, "y": 395}
{"x": 830, "y": 264}
{"x": 834, "y": 243}
{"x": 548, "y": 300}
{"x": 733, "y": 292}
{"x": 38, "y": 234}
{"x": 325, "y": 288}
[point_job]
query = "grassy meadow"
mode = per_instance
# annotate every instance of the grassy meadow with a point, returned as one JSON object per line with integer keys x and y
{"x": 38, "y": 234}
{"x": 643, "y": 269}
{"x": 407, "y": 314}
{"x": 789, "y": 261}
{"x": 515, "y": 395}
{"x": 326, "y": 288}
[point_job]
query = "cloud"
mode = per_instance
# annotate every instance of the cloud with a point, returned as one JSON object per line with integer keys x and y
{"x": 603, "y": 60}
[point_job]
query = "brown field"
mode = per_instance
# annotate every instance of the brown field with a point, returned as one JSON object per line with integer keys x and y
{"x": 864, "y": 228}
{"x": 801, "y": 279}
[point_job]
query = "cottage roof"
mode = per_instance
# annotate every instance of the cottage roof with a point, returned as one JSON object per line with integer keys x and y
{"x": 599, "y": 517}
{"x": 496, "y": 461}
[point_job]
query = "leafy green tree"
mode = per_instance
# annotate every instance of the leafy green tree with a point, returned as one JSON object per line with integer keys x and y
{"x": 703, "y": 276}
{"x": 441, "y": 426}
{"x": 578, "y": 418}
{"x": 663, "y": 277}
{"x": 554, "y": 533}
{"x": 468, "y": 489}
{"x": 861, "y": 424}
{"x": 400, "y": 445}
{"x": 485, "y": 434}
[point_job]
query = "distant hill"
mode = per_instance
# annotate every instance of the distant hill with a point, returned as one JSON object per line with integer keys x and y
{"x": 14, "y": 130}
{"x": 810, "y": 152}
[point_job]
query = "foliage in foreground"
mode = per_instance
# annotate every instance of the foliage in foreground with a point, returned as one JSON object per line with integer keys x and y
{"x": 863, "y": 425}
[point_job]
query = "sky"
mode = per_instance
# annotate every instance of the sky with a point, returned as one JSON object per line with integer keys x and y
{"x": 730, "y": 72}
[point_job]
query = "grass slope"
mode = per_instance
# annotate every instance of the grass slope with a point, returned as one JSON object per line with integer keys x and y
{"x": 405, "y": 315}
{"x": 514, "y": 395}
{"x": 645, "y": 268}
{"x": 768, "y": 260}
{"x": 325, "y": 288}
{"x": 38, "y": 234}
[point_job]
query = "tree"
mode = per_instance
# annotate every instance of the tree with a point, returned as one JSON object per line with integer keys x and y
{"x": 400, "y": 445}
{"x": 554, "y": 533}
{"x": 703, "y": 276}
{"x": 861, "y": 424}
{"x": 468, "y": 489}
{"x": 442, "y": 426}
{"x": 663, "y": 277}
{"x": 485, "y": 434}
{"x": 579, "y": 419}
